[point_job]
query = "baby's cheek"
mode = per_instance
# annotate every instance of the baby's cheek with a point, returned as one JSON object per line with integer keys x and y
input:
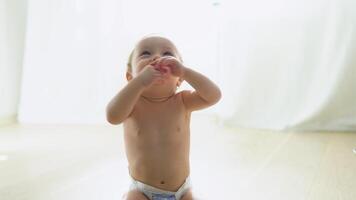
{"x": 137, "y": 70}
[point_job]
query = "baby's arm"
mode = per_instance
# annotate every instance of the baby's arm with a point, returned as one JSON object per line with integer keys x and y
{"x": 121, "y": 106}
{"x": 206, "y": 92}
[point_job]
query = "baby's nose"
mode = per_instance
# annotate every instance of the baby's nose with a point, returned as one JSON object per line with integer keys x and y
{"x": 156, "y": 57}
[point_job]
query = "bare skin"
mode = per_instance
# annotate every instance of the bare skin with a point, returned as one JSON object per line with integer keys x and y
{"x": 157, "y": 142}
{"x": 156, "y": 118}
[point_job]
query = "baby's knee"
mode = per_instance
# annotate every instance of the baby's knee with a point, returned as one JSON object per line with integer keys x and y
{"x": 134, "y": 195}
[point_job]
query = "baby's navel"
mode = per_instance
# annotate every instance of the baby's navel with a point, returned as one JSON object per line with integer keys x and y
{"x": 178, "y": 129}
{"x": 162, "y": 182}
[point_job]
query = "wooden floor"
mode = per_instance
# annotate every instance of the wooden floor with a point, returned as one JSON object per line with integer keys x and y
{"x": 87, "y": 162}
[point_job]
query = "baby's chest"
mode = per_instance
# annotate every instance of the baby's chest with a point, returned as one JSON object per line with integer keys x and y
{"x": 164, "y": 117}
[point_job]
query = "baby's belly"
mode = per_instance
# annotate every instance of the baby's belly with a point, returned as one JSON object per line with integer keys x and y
{"x": 161, "y": 161}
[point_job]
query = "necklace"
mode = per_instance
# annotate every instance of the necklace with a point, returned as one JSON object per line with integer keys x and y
{"x": 157, "y": 99}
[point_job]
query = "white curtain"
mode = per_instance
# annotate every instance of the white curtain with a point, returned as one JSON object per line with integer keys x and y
{"x": 12, "y": 33}
{"x": 76, "y": 51}
{"x": 281, "y": 64}
{"x": 292, "y": 64}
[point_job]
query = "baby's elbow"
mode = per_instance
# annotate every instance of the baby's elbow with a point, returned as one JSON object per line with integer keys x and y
{"x": 112, "y": 119}
{"x": 217, "y": 96}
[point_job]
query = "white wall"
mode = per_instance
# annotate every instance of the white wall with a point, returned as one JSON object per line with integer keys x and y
{"x": 12, "y": 32}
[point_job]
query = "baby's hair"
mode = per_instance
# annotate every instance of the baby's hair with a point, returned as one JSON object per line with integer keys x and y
{"x": 129, "y": 62}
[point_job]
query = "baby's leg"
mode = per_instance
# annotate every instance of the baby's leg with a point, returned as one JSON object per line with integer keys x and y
{"x": 188, "y": 195}
{"x": 135, "y": 195}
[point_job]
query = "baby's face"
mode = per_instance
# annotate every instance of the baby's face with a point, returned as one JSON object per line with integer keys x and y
{"x": 149, "y": 49}
{"x": 152, "y": 48}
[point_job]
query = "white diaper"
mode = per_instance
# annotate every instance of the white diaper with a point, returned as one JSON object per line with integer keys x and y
{"x": 157, "y": 194}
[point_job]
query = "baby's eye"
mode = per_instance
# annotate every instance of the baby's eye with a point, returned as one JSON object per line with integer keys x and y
{"x": 167, "y": 53}
{"x": 145, "y": 53}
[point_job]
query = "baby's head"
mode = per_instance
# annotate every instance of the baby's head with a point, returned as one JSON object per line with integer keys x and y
{"x": 146, "y": 51}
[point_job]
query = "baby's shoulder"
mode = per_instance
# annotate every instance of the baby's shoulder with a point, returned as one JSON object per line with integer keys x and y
{"x": 182, "y": 94}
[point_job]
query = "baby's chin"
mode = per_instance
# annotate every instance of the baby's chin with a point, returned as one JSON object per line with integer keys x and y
{"x": 160, "y": 90}
{"x": 162, "y": 85}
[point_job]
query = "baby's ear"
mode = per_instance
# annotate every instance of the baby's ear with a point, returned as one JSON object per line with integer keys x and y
{"x": 128, "y": 76}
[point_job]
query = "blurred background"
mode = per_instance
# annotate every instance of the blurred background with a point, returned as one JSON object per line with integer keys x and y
{"x": 282, "y": 65}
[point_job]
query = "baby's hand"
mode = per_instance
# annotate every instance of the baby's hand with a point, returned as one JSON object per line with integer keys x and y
{"x": 149, "y": 75}
{"x": 164, "y": 70}
{"x": 169, "y": 65}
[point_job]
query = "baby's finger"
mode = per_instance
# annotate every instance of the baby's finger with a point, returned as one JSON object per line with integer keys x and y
{"x": 156, "y": 67}
{"x": 167, "y": 70}
{"x": 158, "y": 74}
{"x": 170, "y": 58}
{"x": 154, "y": 63}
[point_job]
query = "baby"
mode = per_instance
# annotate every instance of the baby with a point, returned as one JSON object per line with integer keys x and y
{"x": 156, "y": 119}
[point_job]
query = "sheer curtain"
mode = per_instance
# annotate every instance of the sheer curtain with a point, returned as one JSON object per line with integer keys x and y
{"x": 280, "y": 64}
{"x": 12, "y": 33}
{"x": 292, "y": 64}
{"x": 76, "y": 51}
